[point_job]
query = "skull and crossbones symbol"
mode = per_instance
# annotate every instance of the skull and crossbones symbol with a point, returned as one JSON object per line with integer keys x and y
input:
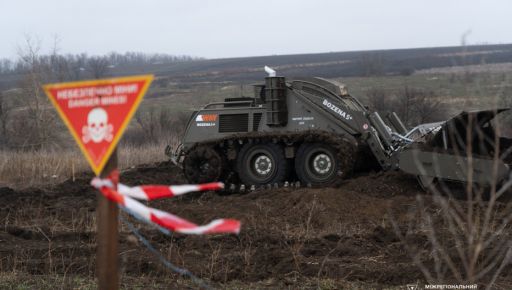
{"x": 97, "y": 128}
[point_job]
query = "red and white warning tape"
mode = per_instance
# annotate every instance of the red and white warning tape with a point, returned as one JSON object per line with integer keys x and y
{"x": 151, "y": 192}
{"x": 123, "y": 196}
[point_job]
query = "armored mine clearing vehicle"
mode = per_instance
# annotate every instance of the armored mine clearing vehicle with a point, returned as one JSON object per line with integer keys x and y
{"x": 313, "y": 131}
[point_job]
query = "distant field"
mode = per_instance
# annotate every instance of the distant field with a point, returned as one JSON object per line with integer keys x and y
{"x": 463, "y": 89}
{"x": 453, "y": 72}
{"x": 330, "y": 65}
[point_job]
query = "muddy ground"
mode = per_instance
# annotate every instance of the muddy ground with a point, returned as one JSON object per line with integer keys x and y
{"x": 329, "y": 238}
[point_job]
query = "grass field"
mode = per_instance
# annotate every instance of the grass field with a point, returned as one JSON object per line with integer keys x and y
{"x": 21, "y": 281}
{"x": 47, "y": 167}
{"x": 461, "y": 89}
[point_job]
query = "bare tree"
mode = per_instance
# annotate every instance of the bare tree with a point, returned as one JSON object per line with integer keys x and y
{"x": 4, "y": 116}
{"x": 6, "y": 66}
{"x": 149, "y": 123}
{"x": 405, "y": 100}
{"x": 378, "y": 100}
{"x": 59, "y": 66}
{"x": 418, "y": 106}
{"x": 39, "y": 127}
{"x": 78, "y": 66}
{"x": 97, "y": 66}
{"x": 427, "y": 108}
{"x": 159, "y": 124}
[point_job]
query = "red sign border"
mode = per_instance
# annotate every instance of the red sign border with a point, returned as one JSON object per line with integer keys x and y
{"x": 147, "y": 81}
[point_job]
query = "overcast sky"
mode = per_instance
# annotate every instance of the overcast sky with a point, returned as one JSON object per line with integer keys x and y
{"x": 231, "y": 28}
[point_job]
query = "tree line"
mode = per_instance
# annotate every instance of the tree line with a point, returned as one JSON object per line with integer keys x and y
{"x": 80, "y": 65}
{"x": 27, "y": 120}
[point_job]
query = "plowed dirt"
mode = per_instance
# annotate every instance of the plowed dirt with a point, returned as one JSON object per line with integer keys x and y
{"x": 340, "y": 234}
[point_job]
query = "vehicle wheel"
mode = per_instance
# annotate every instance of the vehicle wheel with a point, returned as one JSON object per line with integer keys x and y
{"x": 318, "y": 164}
{"x": 261, "y": 164}
{"x": 202, "y": 164}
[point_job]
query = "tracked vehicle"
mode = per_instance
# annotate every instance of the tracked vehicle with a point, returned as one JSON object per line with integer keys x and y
{"x": 313, "y": 131}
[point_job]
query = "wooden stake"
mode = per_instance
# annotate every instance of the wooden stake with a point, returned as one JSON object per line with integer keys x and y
{"x": 107, "y": 259}
{"x": 73, "y": 169}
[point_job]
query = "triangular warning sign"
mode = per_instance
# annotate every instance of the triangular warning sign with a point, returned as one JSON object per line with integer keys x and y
{"x": 97, "y": 112}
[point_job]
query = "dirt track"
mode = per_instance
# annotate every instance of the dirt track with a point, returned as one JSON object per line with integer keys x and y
{"x": 342, "y": 235}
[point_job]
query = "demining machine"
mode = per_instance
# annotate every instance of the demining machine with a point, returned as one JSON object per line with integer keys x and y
{"x": 313, "y": 132}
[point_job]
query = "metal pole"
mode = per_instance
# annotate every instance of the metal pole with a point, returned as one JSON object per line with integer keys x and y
{"x": 107, "y": 250}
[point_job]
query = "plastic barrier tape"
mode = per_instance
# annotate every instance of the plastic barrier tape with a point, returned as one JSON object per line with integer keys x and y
{"x": 151, "y": 192}
{"x": 123, "y": 196}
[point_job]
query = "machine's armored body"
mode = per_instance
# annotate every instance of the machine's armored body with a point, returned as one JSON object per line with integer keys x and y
{"x": 314, "y": 131}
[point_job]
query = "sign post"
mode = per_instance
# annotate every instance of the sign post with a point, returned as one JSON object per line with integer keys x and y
{"x": 108, "y": 236}
{"x": 97, "y": 113}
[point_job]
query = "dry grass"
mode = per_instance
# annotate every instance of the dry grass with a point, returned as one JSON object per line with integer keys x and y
{"x": 23, "y": 169}
{"x": 13, "y": 280}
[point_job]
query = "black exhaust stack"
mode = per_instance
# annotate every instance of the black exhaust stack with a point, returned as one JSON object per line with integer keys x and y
{"x": 275, "y": 99}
